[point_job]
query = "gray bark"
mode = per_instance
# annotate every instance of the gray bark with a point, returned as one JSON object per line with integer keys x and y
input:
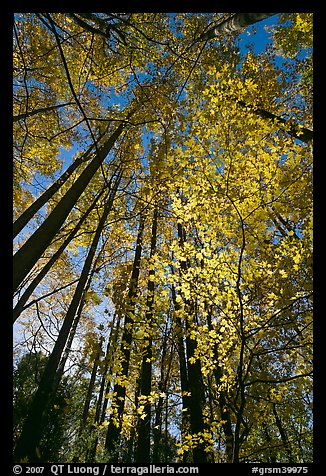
{"x": 234, "y": 23}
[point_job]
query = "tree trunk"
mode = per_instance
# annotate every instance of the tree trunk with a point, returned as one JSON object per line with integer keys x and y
{"x": 27, "y": 256}
{"x": 46, "y": 268}
{"x": 283, "y": 434}
{"x": 113, "y": 433}
{"x": 197, "y": 396}
{"x": 184, "y": 380}
{"x": 91, "y": 385}
{"x": 195, "y": 379}
{"x": 162, "y": 385}
{"x": 104, "y": 389}
{"x": 40, "y": 110}
{"x": 144, "y": 424}
{"x": 297, "y": 131}
{"x": 28, "y": 214}
{"x": 294, "y": 130}
{"x": 234, "y": 23}
{"x": 225, "y": 413}
{"x": 31, "y": 434}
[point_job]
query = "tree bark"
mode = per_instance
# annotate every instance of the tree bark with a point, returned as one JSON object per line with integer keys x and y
{"x": 144, "y": 425}
{"x": 195, "y": 378}
{"x": 28, "y": 214}
{"x": 283, "y": 434}
{"x": 91, "y": 385}
{"x": 27, "y": 256}
{"x": 234, "y": 23}
{"x": 225, "y": 413}
{"x": 46, "y": 268}
{"x": 294, "y": 130}
{"x": 31, "y": 434}
{"x": 113, "y": 432}
{"x": 162, "y": 385}
{"x": 99, "y": 405}
{"x": 184, "y": 380}
{"x": 40, "y": 110}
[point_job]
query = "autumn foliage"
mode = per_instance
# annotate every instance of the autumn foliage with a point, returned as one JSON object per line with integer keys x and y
{"x": 163, "y": 249}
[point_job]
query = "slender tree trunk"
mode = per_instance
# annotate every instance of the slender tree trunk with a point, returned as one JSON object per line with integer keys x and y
{"x": 283, "y": 434}
{"x": 27, "y": 256}
{"x": 195, "y": 379}
{"x": 197, "y": 396}
{"x": 144, "y": 424}
{"x": 67, "y": 350}
{"x": 162, "y": 385}
{"x": 46, "y": 268}
{"x": 184, "y": 380}
{"x": 234, "y": 23}
{"x": 222, "y": 399}
{"x": 40, "y": 110}
{"x": 271, "y": 451}
{"x": 294, "y": 130}
{"x": 113, "y": 347}
{"x": 297, "y": 131}
{"x": 105, "y": 386}
{"x": 31, "y": 434}
{"x": 28, "y": 214}
{"x": 113, "y": 433}
{"x": 74, "y": 326}
{"x": 88, "y": 398}
{"x": 111, "y": 343}
{"x": 91, "y": 385}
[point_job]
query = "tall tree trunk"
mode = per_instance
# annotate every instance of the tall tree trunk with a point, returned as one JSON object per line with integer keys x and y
{"x": 197, "y": 396}
{"x": 283, "y": 434}
{"x": 28, "y": 214}
{"x": 162, "y": 385}
{"x": 195, "y": 379}
{"x": 113, "y": 347}
{"x": 294, "y": 130}
{"x": 144, "y": 424}
{"x": 46, "y": 268}
{"x": 271, "y": 450}
{"x": 234, "y": 23}
{"x": 184, "y": 380}
{"x": 33, "y": 248}
{"x": 113, "y": 432}
{"x": 105, "y": 386}
{"x": 297, "y": 131}
{"x": 88, "y": 398}
{"x": 222, "y": 399}
{"x": 91, "y": 385}
{"x": 31, "y": 434}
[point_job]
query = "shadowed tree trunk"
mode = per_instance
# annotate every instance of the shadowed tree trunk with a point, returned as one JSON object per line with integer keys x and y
{"x": 283, "y": 434}
{"x": 222, "y": 399}
{"x": 28, "y": 214}
{"x": 40, "y": 110}
{"x": 27, "y": 443}
{"x": 27, "y": 256}
{"x": 144, "y": 424}
{"x": 113, "y": 432}
{"x": 91, "y": 384}
{"x": 195, "y": 379}
{"x": 46, "y": 268}
{"x": 102, "y": 400}
{"x": 294, "y": 130}
{"x": 184, "y": 380}
{"x": 162, "y": 386}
